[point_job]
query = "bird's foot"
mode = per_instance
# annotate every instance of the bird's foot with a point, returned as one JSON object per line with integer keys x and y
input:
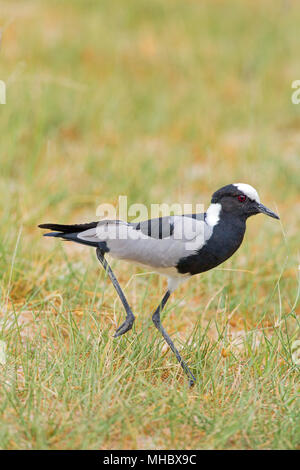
{"x": 191, "y": 377}
{"x": 126, "y": 326}
{"x": 192, "y": 382}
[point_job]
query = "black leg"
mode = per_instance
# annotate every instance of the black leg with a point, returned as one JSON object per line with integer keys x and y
{"x": 127, "y": 325}
{"x": 157, "y": 323}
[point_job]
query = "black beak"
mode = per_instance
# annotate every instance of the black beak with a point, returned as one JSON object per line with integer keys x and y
{"x": 264, "y": 210}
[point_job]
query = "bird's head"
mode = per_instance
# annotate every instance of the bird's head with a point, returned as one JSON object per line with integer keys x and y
{"x": 239, "y": 200}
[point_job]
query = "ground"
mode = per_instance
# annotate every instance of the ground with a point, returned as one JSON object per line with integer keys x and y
{"x": 162, "y": 101}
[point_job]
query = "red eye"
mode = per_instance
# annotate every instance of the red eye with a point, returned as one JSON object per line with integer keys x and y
{"x": 241, "y": 198}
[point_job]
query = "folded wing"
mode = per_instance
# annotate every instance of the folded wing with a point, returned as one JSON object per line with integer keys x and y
{"x": 158, "y": 243}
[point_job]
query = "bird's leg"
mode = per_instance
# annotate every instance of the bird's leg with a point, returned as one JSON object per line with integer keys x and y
{"x": 157, "y": 323}
{"x": 127, "y": 325}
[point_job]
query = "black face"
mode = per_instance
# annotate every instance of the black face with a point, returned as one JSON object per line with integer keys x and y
{"x": 235, "y": 202}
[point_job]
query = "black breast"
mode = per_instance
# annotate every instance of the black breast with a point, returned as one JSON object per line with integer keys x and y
{"x": 226, "y": 238}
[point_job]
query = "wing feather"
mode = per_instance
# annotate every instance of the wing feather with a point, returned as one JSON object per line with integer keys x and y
{"x": 158, "y": 243}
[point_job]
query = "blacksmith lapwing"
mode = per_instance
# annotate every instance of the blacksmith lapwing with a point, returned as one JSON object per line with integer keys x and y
{"x": 178, "y": 246}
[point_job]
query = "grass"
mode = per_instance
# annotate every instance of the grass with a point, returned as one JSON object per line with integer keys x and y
{"x": 162, "y": 101}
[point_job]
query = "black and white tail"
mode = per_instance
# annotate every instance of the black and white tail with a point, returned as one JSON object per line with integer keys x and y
{"x": 70, "y": 232}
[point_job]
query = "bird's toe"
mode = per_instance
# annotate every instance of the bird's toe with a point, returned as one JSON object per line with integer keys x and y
{"x": 126, "y": 326}
{"x": 191, "y": 383}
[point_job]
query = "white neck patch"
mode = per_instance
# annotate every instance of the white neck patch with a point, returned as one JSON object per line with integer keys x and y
{"x": 248, "y": 190}
{"x": 213, "y": 214}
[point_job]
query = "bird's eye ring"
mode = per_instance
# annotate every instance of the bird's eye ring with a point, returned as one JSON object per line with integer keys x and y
{"x": 241, "y": 198}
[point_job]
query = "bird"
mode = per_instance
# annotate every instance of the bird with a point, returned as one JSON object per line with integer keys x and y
{"x": 178, "y": 246}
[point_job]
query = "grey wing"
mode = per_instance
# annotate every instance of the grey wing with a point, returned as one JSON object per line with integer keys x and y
{"x": 158, "y": 243}
{"x": 162, "y": 227}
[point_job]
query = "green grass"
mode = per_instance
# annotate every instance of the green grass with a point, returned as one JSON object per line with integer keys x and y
{"x": 162, "y": 101}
